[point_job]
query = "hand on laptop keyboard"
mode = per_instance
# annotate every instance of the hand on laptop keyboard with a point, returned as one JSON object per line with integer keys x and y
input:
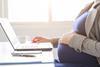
{"x": 40, "y": 39}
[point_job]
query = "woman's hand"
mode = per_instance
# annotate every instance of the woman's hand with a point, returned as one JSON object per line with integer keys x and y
{"x": 39, "y": 39}
{"x": 66, "y": 38}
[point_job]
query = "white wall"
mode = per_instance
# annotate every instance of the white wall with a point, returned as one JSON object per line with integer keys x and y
{"x": 34, "y": 29}
{"x": 0, "y": 8}
{"x": 45, "y": 29}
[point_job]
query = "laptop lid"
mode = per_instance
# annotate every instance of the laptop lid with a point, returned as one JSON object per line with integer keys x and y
{"x": 10, "y": 34}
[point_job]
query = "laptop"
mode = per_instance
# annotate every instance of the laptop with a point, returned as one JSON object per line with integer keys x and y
{"x": 15, "y": 43}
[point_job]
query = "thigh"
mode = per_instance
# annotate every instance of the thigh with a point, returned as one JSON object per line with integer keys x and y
{"x": 69, "y": 55}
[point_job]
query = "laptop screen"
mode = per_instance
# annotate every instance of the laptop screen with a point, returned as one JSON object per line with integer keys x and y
{"x": 7, "y": 28}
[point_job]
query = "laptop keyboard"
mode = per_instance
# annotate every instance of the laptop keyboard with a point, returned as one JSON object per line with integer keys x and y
{"x": 35, "y": 46}
{"x": 30, "y": 45}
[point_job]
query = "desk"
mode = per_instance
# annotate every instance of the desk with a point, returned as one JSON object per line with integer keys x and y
{"x": 46, "y": 58}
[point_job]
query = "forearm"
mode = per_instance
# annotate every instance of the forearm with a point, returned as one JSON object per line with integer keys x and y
{"x": 84, "y": 44}
{"x": 91, "y": 47}
{"x": 54, "y": 41}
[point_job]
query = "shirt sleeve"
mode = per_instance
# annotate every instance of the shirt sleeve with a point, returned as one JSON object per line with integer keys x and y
{"x": 76, "y": 42}
{"x": 84, "y": 44}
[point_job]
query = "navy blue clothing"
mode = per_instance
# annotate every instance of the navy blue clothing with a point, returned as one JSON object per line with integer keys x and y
{"x": 67, "y": 54}
{"x": 79, "y": 24}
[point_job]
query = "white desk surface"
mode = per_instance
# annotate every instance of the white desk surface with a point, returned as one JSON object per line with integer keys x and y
{"x": 30, "y": 65}
{"x": 6, "y": 57}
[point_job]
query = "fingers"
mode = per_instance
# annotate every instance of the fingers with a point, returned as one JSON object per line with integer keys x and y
{"x": 35, "y": 39}
{"x": 39, "y": 39}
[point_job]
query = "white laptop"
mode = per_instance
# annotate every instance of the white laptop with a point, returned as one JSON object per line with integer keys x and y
{"x": 17, "y": 46}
